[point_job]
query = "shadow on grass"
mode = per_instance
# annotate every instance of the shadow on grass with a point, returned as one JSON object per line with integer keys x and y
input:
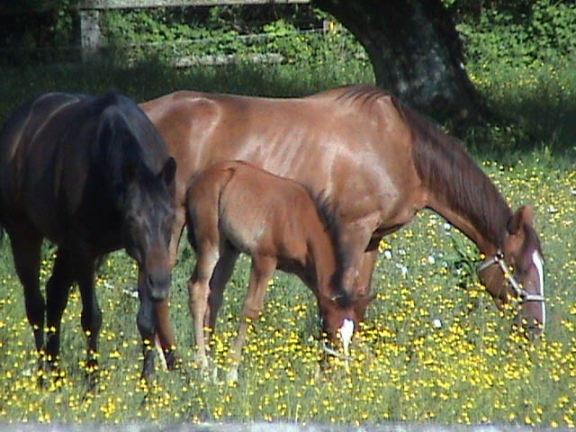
{"x": 150, "y": 79}
{"x": 538, "y": 108}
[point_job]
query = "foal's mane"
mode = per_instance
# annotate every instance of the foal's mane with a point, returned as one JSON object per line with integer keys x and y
{"x": 447, "y": 170}
{"x": 330, "y": 220}
{"x": 327, "y": 213}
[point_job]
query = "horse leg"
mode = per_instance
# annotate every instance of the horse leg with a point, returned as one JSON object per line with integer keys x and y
{"x": 220, "y": 278}
{"x": 164, "y": 328}
{"x": 91, "y": 316}
{"x": 26, "y": 244}
{"x": 263, "y": 268}
{"x": 146, "y": 321}
{"x": 165, "y": 333}
{"x": 177, "y": 230}
{"x": 199, "y": 291}
{"x": 365, "y": 271}
{"x": 57, "y": 292}
{"x": 357, "y": 261}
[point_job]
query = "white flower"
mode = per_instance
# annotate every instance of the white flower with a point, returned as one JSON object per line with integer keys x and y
{"x": 403, "y": 269}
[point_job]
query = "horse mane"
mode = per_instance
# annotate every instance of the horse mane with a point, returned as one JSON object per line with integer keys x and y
{"x": 450, "y": 173}
{"x": 361, "y": 94}
{"x": 444, "y": 166}
{"x": 330, "y": 220}
{"x": 326, "y": 211}
{"x": 118, "y": 138}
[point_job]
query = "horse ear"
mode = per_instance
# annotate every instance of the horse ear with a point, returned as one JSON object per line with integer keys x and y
{"x": 168, "y": 172}
{"x": 524, "y": 215}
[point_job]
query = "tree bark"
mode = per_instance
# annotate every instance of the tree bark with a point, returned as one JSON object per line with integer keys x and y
{"x": 415, "y": 51}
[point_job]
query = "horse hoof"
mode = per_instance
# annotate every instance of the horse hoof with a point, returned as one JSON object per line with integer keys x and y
{"x": 93, "y": 380}
{"x": 202, "y": 362}
{"x": 173, "y": 360}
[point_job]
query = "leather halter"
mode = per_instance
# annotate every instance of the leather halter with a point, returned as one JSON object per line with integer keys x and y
{"x": 522, "y": 294}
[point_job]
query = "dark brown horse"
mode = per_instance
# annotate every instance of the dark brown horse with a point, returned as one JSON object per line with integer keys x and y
{"x": 235, "y": 207}
{"x": 92, "y": 175}
{"x": 377, "y": 162}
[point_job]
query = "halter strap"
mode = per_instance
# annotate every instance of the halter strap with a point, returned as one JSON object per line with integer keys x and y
{"x": 524, "y": 295}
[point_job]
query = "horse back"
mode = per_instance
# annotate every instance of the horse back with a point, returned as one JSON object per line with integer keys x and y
{"x": 33, "y": 153}
{"x": 321, "y": 141}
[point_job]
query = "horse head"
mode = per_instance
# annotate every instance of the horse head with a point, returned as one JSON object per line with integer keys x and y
{"x": 148, "y": 205}
{"x": 341, "y": 316}
{"x": 517, "y": 271}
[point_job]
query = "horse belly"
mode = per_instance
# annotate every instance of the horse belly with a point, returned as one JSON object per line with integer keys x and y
{"x": 243, "y": 224}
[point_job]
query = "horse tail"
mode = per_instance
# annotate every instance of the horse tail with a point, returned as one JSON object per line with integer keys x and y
{"x": 205, "y": 190}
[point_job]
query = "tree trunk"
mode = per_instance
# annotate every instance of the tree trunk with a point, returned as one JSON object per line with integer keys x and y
{"x": 415, "y": 51}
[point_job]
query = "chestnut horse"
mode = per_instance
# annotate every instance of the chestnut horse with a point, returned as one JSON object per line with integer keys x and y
{"x": 92, "y": 175}
{"x": 235, "y": 207}
{"x": 377, "y": 162}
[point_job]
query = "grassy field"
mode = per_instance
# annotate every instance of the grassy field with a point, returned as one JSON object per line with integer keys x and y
{"x": 471, "y": 369}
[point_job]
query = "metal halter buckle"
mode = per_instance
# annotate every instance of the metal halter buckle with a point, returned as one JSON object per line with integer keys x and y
{"x": 522, "y": 294}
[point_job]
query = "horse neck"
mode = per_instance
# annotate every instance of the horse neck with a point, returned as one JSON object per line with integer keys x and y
{"x": 487, "y": 231}
{"x": 457, "y": 188}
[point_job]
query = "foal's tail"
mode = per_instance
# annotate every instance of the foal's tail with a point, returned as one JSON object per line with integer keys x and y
{"x": 204, "y": 196}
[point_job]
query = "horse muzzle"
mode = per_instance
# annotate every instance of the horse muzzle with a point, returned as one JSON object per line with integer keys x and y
{"x": 531, "y": 321}
{"x": 158, "y": 285}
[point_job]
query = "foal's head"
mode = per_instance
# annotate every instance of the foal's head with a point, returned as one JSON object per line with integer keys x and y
{"x": 341, "y": 316}
{"x": 148, "y": 206}
{"x": 517, "y": 271}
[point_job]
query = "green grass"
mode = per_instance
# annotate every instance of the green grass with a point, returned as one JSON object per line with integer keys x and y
{"x": 472, "y": 370}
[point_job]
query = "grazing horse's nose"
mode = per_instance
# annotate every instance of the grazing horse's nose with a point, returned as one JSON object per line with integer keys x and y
{"x": 158, "y": 284}
{"x": 531, "y": 322}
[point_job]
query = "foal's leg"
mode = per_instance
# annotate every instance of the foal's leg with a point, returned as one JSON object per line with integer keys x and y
{"x": 199, "y": 290}
{"x": 26, "y": 244}
{"x": 263, "y": 268}
{"x": 220, "y": 278}
{"x": 57, "y": 292}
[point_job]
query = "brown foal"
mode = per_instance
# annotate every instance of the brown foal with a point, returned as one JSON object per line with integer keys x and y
{"x": 235, "y": 207}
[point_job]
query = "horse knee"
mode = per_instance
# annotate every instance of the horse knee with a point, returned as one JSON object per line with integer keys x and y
{"x": 251, "y": 313}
